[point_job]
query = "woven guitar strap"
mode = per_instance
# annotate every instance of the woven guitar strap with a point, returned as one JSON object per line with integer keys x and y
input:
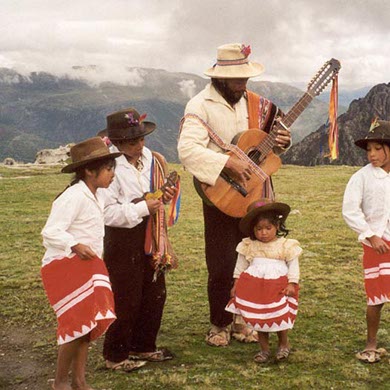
{"x": 157, "y": 243}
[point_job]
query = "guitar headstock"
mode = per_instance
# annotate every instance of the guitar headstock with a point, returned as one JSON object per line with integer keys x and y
{"x": 172, "y": 178}
{"x": 323, "y": 77}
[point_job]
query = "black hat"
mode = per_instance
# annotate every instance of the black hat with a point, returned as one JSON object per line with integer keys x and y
{"x": 379, "y": 132}
{"x": 127, "y": 124}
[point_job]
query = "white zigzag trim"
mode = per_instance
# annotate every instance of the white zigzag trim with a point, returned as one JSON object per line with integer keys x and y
{"x": 378, "y": 301}
{"x": 274, "y": 327}
{"x": 260, "y": 306}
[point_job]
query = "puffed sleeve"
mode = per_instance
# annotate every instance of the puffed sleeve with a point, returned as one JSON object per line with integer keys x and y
{"x": 292, "y": 249}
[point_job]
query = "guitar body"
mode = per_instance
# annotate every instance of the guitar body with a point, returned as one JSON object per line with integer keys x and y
{"x": 225, "y": 196}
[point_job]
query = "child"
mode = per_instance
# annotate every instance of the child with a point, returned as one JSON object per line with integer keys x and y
{"x": 136, "y": 267}
{"x": 265, "y": 290}
{"x": 74, "y": 276}
{"x": 366, "y": 209}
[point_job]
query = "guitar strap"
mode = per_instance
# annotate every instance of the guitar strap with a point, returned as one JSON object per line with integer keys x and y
{"x": 157, "y": 242}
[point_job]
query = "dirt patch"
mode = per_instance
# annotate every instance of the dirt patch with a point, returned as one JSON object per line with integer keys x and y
{"x": 20, "y": 367}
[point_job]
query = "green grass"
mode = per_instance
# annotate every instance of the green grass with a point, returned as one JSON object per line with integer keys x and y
{"x": 329, "y": 330}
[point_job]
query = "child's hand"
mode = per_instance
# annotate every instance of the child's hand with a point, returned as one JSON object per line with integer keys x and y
{"x": 378, "y": 245}
{"x": 83, "y": 251}
{"x": 169, "y": 193}
{"x": 289, "y": 290}
{"x": 153, "y": 205}
{"x": 233, "y": 290}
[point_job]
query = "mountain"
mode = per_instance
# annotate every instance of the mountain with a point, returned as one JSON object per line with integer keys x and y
{"x": 41, "y": 110}
{"x": 353, "y": 124}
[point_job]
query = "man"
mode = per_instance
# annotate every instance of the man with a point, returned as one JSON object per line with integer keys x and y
{"x": 137, "y": 277}
{"x": 223, "y": 107}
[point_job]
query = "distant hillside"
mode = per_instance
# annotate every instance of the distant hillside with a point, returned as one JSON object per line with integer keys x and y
{"x": 353, "y": 124}
{"x": 41, "y": 111}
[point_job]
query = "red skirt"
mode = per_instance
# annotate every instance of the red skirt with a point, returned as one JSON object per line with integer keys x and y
{"x": 259, "y": 298}
{"x": 80, "y": 293}
{"x": 376, "y": 276}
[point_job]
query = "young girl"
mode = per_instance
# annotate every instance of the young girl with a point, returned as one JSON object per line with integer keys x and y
{"x": 366, "y": 209}
{"x": 265, "y": 291}
{"x": 74, "y": 276}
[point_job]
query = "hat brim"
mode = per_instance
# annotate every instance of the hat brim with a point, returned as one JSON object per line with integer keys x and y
{"x": 251, "y": 69}
{"x": 362, "y": 143}
{"x": 282, "y": 209}
{"x": 73, "y": 166}
{"x": 129, "y": 133}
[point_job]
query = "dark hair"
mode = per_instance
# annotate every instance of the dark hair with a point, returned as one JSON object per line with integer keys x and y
{"x": 274, "y": 219}
{"x": 96, "y": 166}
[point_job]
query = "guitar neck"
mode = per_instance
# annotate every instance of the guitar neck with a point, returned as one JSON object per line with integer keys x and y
{"x": 269, "y": 142}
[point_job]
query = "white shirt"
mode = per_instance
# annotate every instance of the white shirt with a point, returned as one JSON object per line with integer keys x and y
{"x": 199, "y": 155}
{"x": 128, "y": 184}
{"x": 76, "y": 217}
{"x": 366, "y": 204}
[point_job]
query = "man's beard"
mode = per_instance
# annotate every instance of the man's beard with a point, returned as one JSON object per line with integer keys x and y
{"x": 232, "y": 97}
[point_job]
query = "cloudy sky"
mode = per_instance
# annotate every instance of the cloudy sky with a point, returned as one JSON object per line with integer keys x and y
{"x": 292, "y": 38}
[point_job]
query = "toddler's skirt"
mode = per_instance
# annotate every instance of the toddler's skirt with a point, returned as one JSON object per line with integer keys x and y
{"x": 80, "y": 293}
{"x": 259, "y": 298}
{"x": 376, "y": 276}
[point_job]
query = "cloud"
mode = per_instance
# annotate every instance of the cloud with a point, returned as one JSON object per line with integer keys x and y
{"x": 291, "y": 38}
{"x": 187, "y": 87}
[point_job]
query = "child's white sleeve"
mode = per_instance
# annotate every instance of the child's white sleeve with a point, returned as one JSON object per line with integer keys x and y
{"x": 124, "y": 215}
{"x": 54, "y": 233}
{"x": 293, "y": 270}
{"x": 352, "y": 208}
{"x": 241, "y": 265}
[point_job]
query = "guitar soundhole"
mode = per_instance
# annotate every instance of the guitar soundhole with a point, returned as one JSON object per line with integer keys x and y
{"x": 254, "y": 155}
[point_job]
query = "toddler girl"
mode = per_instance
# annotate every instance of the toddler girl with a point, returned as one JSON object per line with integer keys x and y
{"x": 265, "y": 291}
{"x": 74, "y": 276}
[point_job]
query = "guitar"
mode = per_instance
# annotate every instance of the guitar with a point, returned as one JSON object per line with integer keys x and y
{"x": 171, "y": 181}
{"x": 228, "y": 194}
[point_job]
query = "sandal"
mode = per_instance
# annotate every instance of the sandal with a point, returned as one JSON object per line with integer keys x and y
{"x": 218, "y": 337}
{"x": 282, "y": 354}
{"x": 125, "y": 365}
{"x": 371, "y": 355}
{"x": 245, "y": 335}
{"x": 157, "y": 356}
{"x": 261, "y": 357}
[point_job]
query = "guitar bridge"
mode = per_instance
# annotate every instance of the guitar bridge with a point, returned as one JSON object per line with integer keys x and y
{"x": 239, "y": 188}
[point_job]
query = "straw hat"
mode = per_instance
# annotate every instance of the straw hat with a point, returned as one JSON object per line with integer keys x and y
{"x": 85, "y": 152}
{"x": 127, "y": 124}
{"x": 232, "y": 62}
{"x": 262, "y": 206}
{"x": 379, "y": 132}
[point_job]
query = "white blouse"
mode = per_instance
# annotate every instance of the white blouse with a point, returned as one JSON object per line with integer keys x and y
{"x": 76, "y": 217}
{"x": 366, "y": 204}
{"x": 128, "y": 184}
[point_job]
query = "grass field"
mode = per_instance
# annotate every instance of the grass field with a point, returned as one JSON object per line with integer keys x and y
{"x": 329, "y": 330}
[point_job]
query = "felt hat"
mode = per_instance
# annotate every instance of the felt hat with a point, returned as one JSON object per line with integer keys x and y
{"x": 232, "y": 62}
{"x": 262, "y": 206}
{"x": 379, "y": 132}
{"x": 127, "y": 124}
{"x": 83, "y": 153}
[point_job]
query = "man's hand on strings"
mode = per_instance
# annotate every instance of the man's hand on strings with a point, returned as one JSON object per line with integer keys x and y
{"x": 240, "y": 169}
{"x": 283, "y": 139}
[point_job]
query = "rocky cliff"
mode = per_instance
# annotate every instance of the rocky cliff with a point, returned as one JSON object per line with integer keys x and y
{"x": 353, "y": 124}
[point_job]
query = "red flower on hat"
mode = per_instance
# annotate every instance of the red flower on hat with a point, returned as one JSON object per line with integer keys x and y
{"x": 142, "y": 117}
{"x": 106, "y": 140}
{"x": 246, "y": 50}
